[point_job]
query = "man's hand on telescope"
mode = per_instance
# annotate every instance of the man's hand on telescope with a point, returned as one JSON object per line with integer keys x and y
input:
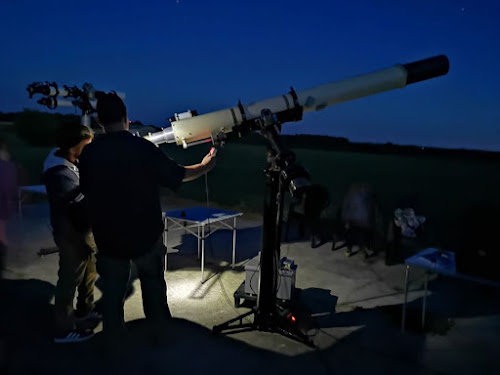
{"x": 197, "y": 170}
{"x": 209, "y": 161}
{"x": 209, "y": 157}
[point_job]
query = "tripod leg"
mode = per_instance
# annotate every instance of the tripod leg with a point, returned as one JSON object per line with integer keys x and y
{"x": 47, "y": 251}
{"x": 278, "y": 322}
{"x": 296, "y": 335}
{"x": 229, "y": 326}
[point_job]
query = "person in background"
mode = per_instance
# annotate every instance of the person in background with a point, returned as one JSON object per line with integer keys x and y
{"x": 8, "y": 197}
{"x": 358, "y": 219}
{"x": 72, "y": 235}
{"x": 9, "y": 180}
{"x": 120, "y": 177}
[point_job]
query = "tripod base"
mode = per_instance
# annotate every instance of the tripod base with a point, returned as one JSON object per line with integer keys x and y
{"x": 277, "y": 322}
{"x": 281, "y": 173}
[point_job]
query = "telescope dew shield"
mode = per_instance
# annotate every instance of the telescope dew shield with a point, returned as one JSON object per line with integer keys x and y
{"x": 197, "y": 128}
{"x": 427, "y": 69}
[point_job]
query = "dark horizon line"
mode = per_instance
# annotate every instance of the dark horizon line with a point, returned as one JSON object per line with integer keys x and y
{"x": 360, "y": 144}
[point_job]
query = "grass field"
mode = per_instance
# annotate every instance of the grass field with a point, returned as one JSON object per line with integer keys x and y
{"x": 441, "y": 189}
{"x": 28, "y": 157}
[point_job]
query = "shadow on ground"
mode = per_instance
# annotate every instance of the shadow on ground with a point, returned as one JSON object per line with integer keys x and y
{"x": 448, "y": 299}
{"x": 185, "y": 349}
{"x": 370, "y": 343}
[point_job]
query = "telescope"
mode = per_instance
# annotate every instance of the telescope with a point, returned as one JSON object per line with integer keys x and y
{"x": 188, "y": 128}
{"x": 282, "y": 172}
{"x": 83, "y": 98}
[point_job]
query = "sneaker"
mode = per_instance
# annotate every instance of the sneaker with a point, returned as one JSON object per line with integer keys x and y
{"x": 74, "y": 336}
{"x": 349, "y": 252}
{"x": 93, "y": 315}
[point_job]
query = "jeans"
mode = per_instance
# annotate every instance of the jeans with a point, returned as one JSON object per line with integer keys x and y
{"x": 77, "y": 270}
{"x": 115, "y": 274}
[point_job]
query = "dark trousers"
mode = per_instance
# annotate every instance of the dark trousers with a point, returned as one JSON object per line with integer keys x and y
{"x": 77, "y": 270}
{"x": 358, "y": 235}
{"x": 115, "y": 274}
{"x": 3, "y": 255}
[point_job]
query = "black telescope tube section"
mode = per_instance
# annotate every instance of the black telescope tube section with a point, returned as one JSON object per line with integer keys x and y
{"x": 426, "y": 69}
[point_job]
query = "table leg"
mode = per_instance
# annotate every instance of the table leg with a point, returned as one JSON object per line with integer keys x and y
{"x": 403, "y": 318}
{"x": 424, "y": 299}
{"x": 202, "y": 254}
{"x": 198, "y": 239}
{"x": 234, "y": 243}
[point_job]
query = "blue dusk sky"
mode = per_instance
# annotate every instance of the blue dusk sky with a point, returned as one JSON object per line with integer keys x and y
{"x": 173, "y": 55}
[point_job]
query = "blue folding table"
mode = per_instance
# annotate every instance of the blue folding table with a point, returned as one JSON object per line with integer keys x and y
{"x": 200, "y": 217}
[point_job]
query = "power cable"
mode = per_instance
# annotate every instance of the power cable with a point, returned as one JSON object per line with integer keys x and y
{"x": 224, "y": 290}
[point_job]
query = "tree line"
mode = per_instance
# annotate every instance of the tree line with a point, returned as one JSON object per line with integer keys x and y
{"x": 38, "y": 129}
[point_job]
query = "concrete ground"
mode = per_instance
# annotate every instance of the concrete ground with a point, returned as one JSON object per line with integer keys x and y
{"x": 349, "y": 307}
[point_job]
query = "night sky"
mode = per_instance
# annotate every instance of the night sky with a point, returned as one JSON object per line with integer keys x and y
{"x": 173, "y": 55}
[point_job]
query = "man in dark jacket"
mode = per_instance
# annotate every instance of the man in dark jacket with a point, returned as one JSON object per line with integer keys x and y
{"x": 120, "y": 177}
{"x": 72, "y": 234}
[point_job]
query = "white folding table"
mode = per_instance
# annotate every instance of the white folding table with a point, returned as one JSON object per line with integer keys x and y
{"x": 433, "y": 260}
{"x": 194, "y": 220}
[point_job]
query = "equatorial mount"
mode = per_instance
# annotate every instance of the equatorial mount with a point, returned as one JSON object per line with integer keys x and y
{"x": 281, "y": 175}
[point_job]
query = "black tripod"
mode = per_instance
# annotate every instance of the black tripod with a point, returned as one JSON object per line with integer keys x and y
{"x": 281, "y": 173}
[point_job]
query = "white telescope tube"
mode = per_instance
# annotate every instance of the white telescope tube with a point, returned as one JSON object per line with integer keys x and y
{"x": 198, "y": 128}
{"x": 61, "y": 91}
